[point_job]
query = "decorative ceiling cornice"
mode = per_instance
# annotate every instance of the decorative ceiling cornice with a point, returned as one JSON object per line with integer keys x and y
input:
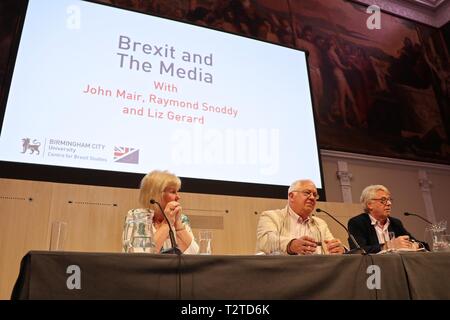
{"x": 435, "y": 13}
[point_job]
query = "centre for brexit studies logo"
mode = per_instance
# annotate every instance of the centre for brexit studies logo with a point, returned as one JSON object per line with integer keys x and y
{"x": 32, "y": 147}
{"x": 126, "y": 155}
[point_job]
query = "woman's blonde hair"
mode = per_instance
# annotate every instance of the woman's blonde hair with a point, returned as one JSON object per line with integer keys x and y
{"x": 153, "y": 185}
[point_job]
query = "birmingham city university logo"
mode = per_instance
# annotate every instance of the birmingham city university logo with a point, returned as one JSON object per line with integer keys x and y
{"x": 32, "y": 147}
{"x": 126, "y": 155}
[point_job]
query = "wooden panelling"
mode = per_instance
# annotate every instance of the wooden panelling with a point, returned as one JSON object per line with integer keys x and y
{"x": 342, "y": 212}
{"x": 94, "y": 215}
{"x": 206, "y": 222}
{"x": 23, "y": 226}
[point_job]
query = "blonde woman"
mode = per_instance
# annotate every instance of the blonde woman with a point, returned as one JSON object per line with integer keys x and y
{"x": 163, "y": 187}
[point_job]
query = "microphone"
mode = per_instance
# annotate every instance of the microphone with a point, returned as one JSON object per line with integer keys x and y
{"x": 173, "y": 243}
{"x": 419, "y": 216}
{"x": 358, "y": 247}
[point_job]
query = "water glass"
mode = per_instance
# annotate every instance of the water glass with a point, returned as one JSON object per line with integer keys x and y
{"x": 58, "y": 236}
{"x": 205, "y": 238}
{"x": 390, "y": 242}
{"x": 274, "y": 244}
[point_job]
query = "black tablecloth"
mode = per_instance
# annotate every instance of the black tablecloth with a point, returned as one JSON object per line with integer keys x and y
{"x": 43, "y": 275}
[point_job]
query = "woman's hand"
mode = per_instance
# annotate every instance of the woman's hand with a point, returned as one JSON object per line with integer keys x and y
{"x": 173, "y": 212}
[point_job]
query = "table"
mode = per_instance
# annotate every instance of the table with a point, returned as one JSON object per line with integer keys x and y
{"x": 81, "y": 275}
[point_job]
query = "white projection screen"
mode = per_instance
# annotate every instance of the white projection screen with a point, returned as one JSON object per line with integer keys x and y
{"x": 102, "y": 95}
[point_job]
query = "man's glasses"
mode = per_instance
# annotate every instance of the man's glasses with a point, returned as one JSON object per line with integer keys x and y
{"x": 308, "y": 193}
{"x": 384, "y": 200}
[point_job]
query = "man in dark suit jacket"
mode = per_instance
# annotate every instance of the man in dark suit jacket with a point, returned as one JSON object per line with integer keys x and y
{"x": 372, "y": 227}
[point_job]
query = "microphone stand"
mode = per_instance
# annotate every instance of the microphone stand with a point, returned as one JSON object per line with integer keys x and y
{"x": 425, "y": 245}
{"x": 173, "y": 243}
{"x": 358, "y": 249}
{"x": 418, "y": 216}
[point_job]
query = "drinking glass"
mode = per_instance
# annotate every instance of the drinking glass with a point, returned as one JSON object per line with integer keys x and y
{"x": 58, "y": 236}
{"x": 205, "y": 238}
{"x": 274, "y": 244}
{"x": 390, "y": 243}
